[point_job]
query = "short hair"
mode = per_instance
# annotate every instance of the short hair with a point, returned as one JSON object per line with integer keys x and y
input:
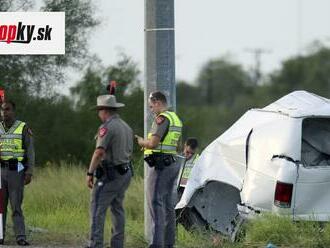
{"x": 192, "y": 142}
{"x": 158, "y": 96}
{"x": 111, "y": 110}
{"x": 11, "y": 103}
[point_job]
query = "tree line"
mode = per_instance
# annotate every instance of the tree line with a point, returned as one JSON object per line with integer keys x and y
{"x": 64, "y": 127}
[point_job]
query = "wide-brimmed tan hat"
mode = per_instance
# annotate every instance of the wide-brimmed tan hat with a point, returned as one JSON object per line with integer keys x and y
{"x": 108, "y": 101}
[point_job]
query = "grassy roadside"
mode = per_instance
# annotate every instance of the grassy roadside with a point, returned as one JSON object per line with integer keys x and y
{"x": 56, "y": 208}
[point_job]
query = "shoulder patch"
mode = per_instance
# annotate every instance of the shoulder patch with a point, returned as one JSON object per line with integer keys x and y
{"x": 160, "y": 119}
{"x": 103, "y": 131}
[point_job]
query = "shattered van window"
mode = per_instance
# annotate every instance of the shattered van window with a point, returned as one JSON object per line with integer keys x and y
{"x": 315, "y": 148}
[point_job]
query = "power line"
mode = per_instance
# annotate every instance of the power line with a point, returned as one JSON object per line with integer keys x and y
{"x": 257, "y": 52}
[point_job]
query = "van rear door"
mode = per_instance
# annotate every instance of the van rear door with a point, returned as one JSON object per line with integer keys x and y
{"x": 312, "y": 194}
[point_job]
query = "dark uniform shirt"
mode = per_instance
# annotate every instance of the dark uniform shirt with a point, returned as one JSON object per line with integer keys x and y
{"x": 116, "y": 138}
{"x": 28, "y": 145}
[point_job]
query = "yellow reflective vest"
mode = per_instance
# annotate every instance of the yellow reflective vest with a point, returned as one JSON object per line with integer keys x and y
{"x": 170, "y": 142}
{"x": 188, "y": 166}
{"x": 11, "y": 142}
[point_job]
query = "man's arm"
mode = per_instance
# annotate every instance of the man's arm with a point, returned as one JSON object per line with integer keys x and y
{"x": 29, "y": 154}
{"x": 95, "y": 161}
{"x": 103, "y": 139}
{"x": 150, "y": 143}
{"x": 161, "y": 128}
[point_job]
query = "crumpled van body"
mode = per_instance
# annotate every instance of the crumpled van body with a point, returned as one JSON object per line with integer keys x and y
{"x": 275, "y": 159}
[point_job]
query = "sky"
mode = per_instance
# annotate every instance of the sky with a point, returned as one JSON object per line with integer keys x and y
{"x": 206, "y": 29}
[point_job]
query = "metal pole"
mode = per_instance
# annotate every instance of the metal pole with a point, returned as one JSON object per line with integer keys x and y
{"x": 299, "y": 26}
{"x": 159, "y": 68}
{"x": 2, "y": 204}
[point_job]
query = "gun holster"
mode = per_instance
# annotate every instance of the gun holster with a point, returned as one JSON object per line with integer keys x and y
{"x": 11, "y": 164}
{"x": 122, "y": 169}
{"x": 110, "y": 169}
{"x": 99, "y": 172}
{"x": 159, "y": 160}
{"x": 150, "y": 160}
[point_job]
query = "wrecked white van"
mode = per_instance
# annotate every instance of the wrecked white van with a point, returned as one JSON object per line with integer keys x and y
{"x": 273, "y": 159}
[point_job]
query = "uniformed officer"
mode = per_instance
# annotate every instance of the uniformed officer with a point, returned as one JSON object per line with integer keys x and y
{"x": 160, "y": 149}
{"x": 111, "y": 164}
{"x": 191, "y": 155}
{"x": 17, "y": 161}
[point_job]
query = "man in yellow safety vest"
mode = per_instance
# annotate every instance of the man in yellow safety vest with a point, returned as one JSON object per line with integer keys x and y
{"x": 191, "y": 156}
{"x": 160, "y": 149}
{"x": 17, "y": 159}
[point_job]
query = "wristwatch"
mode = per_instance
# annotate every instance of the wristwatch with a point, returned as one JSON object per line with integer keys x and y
{"x": 89, "y": 174}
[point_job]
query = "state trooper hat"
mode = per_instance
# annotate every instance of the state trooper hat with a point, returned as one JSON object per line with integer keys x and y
{"x": 108, "y": 101}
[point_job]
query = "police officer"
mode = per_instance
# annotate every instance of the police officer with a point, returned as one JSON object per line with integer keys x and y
{"x": 191, "y": 156}
{"x": 17, "y": 160}
{"x": 190, "y": 149}
{"x": 110, "y": 164}
{"x": 160, "y": 149}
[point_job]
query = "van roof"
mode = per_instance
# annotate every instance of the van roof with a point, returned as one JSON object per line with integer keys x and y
{"x": 300, "y": 104}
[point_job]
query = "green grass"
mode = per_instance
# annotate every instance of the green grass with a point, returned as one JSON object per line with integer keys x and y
{"x": 57, "y": 203}
{"x": 285, "y": 233}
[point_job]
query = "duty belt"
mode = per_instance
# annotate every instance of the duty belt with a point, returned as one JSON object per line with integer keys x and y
{"x": 11, "y": 164}
{"x": 159, "y": 160}
{"x": 110, "y": 170}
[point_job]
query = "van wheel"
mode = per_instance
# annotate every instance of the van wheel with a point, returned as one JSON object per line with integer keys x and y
{"x": 191, "y": 219}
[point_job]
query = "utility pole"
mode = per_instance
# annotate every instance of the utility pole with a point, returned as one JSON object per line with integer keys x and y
{"x": 257, "y": 52}
{"x": 2, "y": 191}
{"x": 159, "y": 68}
{"x": 299, "y": 26}
{"x": 209, "y": 85}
